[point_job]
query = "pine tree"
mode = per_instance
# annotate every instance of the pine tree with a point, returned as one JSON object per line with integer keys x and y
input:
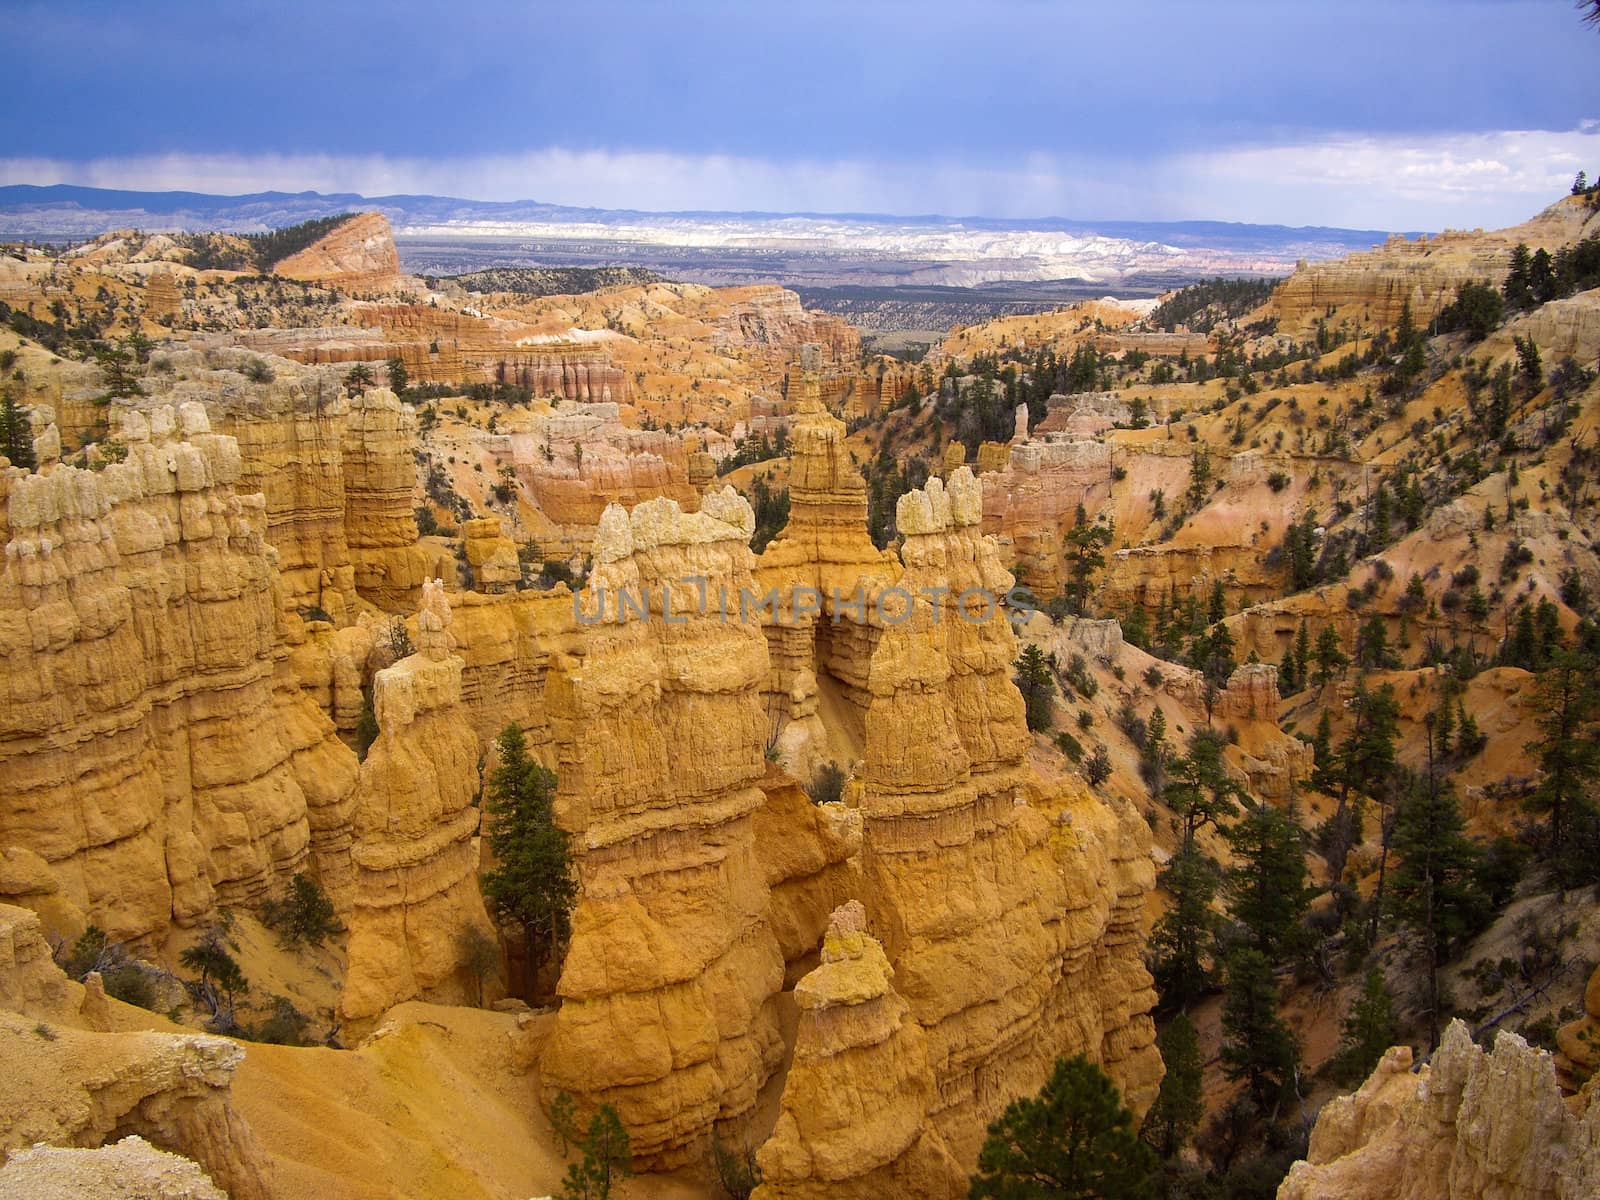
{"x": 1086, "y": 545}
{"x": 1302, "y": 652}
{"x": 1405, "y": 332}
{"x": 1179, "y": 1107}
{"x": 1329, "y": 656}
{"x": 1434, "y": 892}
{"x": 1038, "y": 687}
{"x": 1516, "y": 290}
{"x": 1266, "y": 887}
{"x": 1258, "y": 1047}
{"x": 1367, "y": 763}
{"x": 16, "y": 433}
{"x": 1372, "y": 646}
{"x": 1288, "y": 682}
{"x": 1567, "y": 699}
{"x": 1201, "y": 791}
{"x": 1370, "y": 1029}
{"x": 1179, "y": 939}
{"x": 1097, "y": 767}
{"x": 606, "y": 1158}
{"x": 1073, "y": 1141}
{"x": 1155, "y": 756}
{"x": 398, "y": 375}
{"x": 531, "y": 884}
{"x": 1325, "y": 767}
{"x": 1217, "y": 606}
{"x": 358, "y": 378}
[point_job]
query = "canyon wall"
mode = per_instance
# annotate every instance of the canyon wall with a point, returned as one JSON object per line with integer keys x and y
{"x": 157, "y": 758}
{"x": 338, "y": 476}
{"x": 356, "y": 255}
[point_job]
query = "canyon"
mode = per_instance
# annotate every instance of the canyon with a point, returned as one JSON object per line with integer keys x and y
{"x": 264, "y": 620}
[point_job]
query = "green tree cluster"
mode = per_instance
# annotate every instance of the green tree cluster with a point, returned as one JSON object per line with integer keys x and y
{"x": 531, "y": 885}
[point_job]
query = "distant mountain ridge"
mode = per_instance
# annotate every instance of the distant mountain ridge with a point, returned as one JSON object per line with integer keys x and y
{"x": 68, "y": 210}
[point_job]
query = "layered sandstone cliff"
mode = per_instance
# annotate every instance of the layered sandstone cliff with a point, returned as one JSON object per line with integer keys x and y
{"x": 413, "y": 823}
{"x": 1369, "y": 290}
{"x": 669, "y": 988}
{"x": 854, "y": 1120}
{"x": 357, "y": 255}
{"x": 338, "y": 474}
{"x": 1470, "y": 1124}
{"x": 157, "y": 758}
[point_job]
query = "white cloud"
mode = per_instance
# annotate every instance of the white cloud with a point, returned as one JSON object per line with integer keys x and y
{"x": 1492, "y": 178}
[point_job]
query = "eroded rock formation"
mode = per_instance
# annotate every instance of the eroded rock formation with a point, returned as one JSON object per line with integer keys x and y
{"x": 413, "y": 822}
{"x": 156, "y": 757}
{"x": 687, "y": 928}
{"x": 1470, "y": 1124}
{"x": 854, "y": 1121}
{"x": 670, "y": 985}
{"x": 85, "y": 1088}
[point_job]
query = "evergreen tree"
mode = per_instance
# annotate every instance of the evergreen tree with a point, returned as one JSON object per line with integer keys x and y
{"x": 1542, "y": 277}
{"x": 398, "y": 375}
{"x": 1201, "y": 791}
{"x": 1366, "y": 768}
{"x": 1288, "y": 681}
{"x": 218, "y": 969}
{"x": 1073, "y": 1141}
{"x": 1567, "y": 699}
{"x": 16, "y": 433}
{"x": 1517, "y": 290}
{"x": 358, "y": 378}
{"x": 1155, "y": 756}
{"x": 1382, "y": 509}
{"x": 1302, "y": 652}
{"x": 1325, "y": 767}
{"x": 1086, "y": 546}
{"x": 1266, "y": 887}
{"x": 606, "y": 1158}
{"x": 1179, "y": 1107}
{"x": 1434, "y": 892}
{"x": 1179, "y": 939}
{"x": 1136, "y": 627}
{"x": 1329, "y": 656}
{"x": 1217, "y": 607}
{"x": 1300, "y": 548}
{"x": 1405, "y": 334}
{"x": 1038, "y": 687}
{"x": 1370, "y": 1029}
{"x": 1372, "y": 646}
{"x": 1097, "y": 767}
{"x": 1257, "y": 1047}
{"x": 531, "y": 884}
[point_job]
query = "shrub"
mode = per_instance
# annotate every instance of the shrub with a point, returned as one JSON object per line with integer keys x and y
{"x": 258, "y": 370}
{"x": 1070, "y": 746}
{"x": 736, "y": 1171}
{"x": 827, "y": 784}
{"x": 1278, "y": 481}
{"x": 305, "y": 914}
{"x": 285, "y": 1027}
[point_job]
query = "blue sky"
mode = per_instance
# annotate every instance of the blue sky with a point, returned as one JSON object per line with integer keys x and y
{"x": 1396, "y": 114}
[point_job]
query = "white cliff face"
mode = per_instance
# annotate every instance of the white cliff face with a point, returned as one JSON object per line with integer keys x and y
{"x": 1471, "y": 1125}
